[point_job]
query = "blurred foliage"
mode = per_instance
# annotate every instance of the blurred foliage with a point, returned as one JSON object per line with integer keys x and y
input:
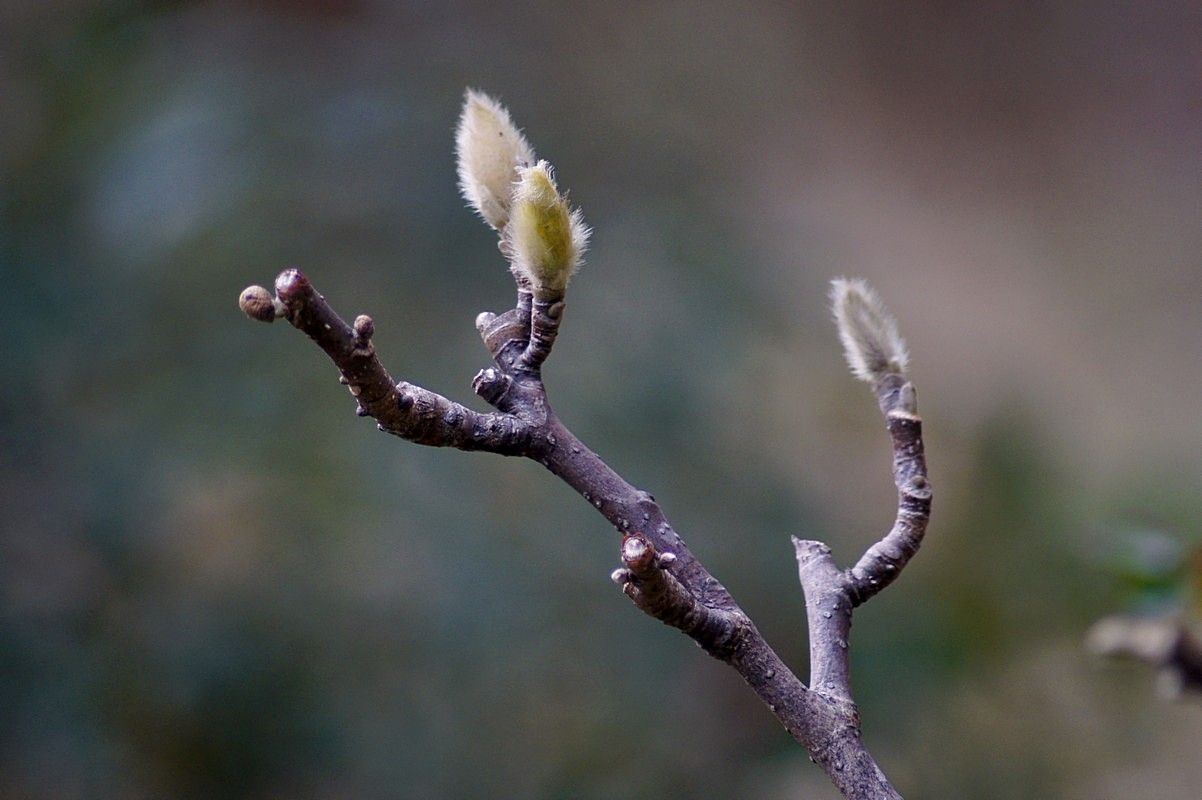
{"x": 216, "y": 581}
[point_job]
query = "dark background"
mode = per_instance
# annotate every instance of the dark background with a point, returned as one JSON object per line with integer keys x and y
{"x": 217, "y": 581}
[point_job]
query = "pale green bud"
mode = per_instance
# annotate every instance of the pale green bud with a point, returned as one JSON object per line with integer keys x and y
{"x": 871, "y": 341}
{"x": 545, "y": 239}
{"x": 489, "y": 149}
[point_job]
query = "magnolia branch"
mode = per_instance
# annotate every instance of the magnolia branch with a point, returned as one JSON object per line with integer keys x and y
{"x": 543, "y": 239}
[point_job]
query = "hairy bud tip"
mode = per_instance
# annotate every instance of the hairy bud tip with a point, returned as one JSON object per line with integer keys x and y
{"x": 871, "y": 341}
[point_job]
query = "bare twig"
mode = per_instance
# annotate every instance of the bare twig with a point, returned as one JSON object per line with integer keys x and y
{"x": 883, "y": 561}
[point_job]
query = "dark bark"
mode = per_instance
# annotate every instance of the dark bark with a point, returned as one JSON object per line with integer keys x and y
{"x": 659, "y": 573}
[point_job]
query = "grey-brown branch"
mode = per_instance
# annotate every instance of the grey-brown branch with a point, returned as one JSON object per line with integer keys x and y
{"x": 658, "y": 573}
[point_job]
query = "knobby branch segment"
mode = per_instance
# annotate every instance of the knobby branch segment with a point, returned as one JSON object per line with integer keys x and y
{"x": 658, "y": 573}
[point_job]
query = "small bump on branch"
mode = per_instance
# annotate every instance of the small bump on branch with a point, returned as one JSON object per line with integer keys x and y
{"x": 646, "y": 578}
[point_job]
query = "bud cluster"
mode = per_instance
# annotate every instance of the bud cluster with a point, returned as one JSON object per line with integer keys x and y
{"x": 543, "y": 238}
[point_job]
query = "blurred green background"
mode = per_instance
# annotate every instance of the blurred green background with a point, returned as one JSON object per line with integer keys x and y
{"x": 217, "y": 582}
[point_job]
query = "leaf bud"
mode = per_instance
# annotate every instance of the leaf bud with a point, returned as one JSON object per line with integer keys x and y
{"x": 489, "y": 149}
{"x": 545, "y": 239}
{"x": 871, "y": 342}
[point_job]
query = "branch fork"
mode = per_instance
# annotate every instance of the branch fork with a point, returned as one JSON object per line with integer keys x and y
{"x": 658, "y": 572}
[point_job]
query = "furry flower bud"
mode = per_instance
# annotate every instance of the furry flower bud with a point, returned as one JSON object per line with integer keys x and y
{"x": 545, "y": 239}
{"x": 871, "y": 341}
{"x": 489, "y": 149}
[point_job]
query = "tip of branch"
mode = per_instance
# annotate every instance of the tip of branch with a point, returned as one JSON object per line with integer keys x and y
{"x": 871, "y": 342}
{"x": 290, "y": 283}
{"x": 637, "y": 552}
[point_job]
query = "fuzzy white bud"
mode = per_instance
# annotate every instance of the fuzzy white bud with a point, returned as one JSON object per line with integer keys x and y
{"x": 545, "y": 239}
{"x": 489, "y": 149}
{"x": 871, "y": 341}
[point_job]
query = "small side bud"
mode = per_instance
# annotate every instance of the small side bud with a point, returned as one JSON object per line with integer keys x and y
{"x": 257, "y": 303}
{"x": 484, "y": 320}
{"x": 364, "y": 327}
{"x": 871, "y": 341}
{"x": 489, "y": 149}
{"x": 545, "y": 239}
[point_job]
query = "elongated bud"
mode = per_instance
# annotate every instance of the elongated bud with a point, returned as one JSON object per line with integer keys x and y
{"x": 871, "y": 342}
{"x": 545, "y": 238}
{"x": 489, "y": 149}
